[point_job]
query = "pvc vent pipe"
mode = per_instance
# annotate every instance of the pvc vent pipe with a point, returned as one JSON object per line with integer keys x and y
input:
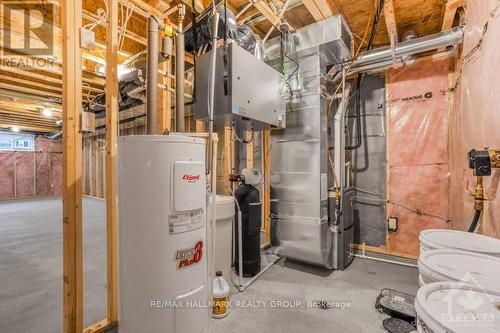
{"x": 179, "y": 72}
{"x": 152, "y": 76}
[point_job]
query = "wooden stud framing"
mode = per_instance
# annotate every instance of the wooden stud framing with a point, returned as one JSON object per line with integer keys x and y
{"x": 145, "y": 9}
{"x": 449, "y": 13}
{"x": 250, "y": 153}
{"x": 71, "y": 12}
{"x": 266, "y": 167}
{"x": 198, "y": 5}
{"x": 319, "y": 9}
{"x": 100, "y": 327}
{"x": 165, "y": 98}
{"x": 200, "y": 126}
{"x": 264, "y": 8}
{"x": 390, "y": 21}
{"x": 111, "y": 147}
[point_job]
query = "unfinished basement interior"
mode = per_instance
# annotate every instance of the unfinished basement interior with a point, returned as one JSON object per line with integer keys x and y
{"x": 285, "y": 166}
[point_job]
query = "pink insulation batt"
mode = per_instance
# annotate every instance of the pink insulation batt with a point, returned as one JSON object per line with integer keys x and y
{"x": 418, "y": 172}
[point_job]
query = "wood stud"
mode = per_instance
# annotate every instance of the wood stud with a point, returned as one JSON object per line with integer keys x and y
{"x": 72, "y": 169}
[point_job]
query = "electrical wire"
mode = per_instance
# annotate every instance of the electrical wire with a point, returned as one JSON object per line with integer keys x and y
{"x": 421, "y": 212}
{"x": 284, "y": 56}
{"x": 359, "y": 80}
{"x": 128, "y": 14}
{"x": 102, "y": 18}
{"x": 240, "y": 140}
{"x": 380, "y": 198}
{"x": 87, "y": 96}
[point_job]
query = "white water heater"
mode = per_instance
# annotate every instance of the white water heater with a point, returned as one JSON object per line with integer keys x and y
{"x": 162, "y": 234}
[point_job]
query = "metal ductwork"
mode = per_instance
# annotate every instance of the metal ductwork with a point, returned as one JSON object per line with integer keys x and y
{"x": 386, "y": 56}
{"x": 411, "y": 47}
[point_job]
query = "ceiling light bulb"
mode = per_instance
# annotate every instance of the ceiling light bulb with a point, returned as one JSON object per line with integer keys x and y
{"x": 100, "y": 69}
{"x": 15, "y": 129}
{"x": 47, "y": 112}
{"x": 123, "y": 70}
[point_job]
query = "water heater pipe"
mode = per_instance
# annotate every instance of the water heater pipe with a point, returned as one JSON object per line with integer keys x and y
{"x": 152, "y": 75}
{"x": 211, "y": 89}
{"x": 339, "y": 134}
{"x": 179, "y": 73}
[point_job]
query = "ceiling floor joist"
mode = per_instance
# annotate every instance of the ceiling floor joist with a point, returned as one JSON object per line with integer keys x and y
{"x": 319, "y": 9}
{"x": 449, "y": 13}
{"x": 390, "y": 21}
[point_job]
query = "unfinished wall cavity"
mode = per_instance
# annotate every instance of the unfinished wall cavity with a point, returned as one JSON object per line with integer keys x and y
{"x": 369, "y": 163}
{"x": 476, "y": 119}
{"x": 25, "y": 174}
{"x": 418, "y": 171}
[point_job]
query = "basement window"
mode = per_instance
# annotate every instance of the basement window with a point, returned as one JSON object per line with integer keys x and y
{"x": 13, "y": 141}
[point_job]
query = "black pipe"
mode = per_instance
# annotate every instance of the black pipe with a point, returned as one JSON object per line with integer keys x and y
{"x": 359, "y": 79}
{"x": 475, "y": 220}
{"x": 357, "y": 106}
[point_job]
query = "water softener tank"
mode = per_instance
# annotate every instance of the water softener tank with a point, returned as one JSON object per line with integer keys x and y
{"x": 249, "y": 202}
{"x": 162, "y": 200}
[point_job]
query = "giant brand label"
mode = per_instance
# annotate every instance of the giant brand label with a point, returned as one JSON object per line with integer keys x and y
{"x": 190, "y": 256}
{"x": 190, "y": 178}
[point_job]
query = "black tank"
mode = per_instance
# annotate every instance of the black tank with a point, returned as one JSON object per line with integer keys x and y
{"x": 249, "y": 200}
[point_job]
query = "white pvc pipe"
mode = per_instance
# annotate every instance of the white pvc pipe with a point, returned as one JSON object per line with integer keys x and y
{"x": 339, "y": 134}
{"x": 364, "y": 256}
{"x": 240, "y": 249}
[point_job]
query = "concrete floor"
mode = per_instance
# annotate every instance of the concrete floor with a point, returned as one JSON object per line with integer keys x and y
{"x": 31, "y": 275}
{"x": 358, "y": 285}
{"x": 31, "y": 264}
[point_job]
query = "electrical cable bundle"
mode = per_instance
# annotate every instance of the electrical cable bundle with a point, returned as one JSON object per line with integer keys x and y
{"x": 359, "y": 79}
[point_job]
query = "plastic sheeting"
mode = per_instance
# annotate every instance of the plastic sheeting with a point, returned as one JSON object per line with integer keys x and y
{"x": 418, "y": 172}
{"x": 476, "y": 119}
{"x": 204, "y": 30}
